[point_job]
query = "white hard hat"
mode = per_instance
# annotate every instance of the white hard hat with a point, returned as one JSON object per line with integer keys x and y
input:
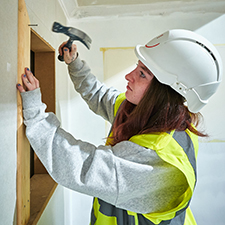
{"x": 187, "y": 62}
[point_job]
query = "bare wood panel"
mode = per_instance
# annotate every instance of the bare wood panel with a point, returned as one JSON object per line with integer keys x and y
{"x": 40, "y": 196}
{"x": 38, "y": 166}
{"x": 45, "y": 73}
{"x": 23, "y": 146}
{"x": 38, "y": 44}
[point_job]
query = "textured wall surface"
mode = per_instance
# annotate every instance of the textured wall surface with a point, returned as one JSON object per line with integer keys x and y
{"x": 8, "y": 110}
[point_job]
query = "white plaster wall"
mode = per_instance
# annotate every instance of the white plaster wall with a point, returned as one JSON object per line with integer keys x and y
{"x": 8, "y": 110}
{"x": 208, "y": 200}
{"x": 214, "y": 111}
{"x": 126, "y": 32}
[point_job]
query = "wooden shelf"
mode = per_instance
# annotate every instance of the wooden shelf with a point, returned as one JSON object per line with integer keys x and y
{"x": 42, "y": 187}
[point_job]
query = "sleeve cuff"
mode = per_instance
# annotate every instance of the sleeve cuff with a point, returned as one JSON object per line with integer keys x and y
{"x": 76, "y": 65}
{"x": 31, "y": 98}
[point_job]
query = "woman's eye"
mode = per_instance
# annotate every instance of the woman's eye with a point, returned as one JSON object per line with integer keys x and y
{"x": 142, "y": 75}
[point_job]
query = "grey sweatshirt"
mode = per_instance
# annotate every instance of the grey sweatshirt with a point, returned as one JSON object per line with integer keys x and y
{"x": 126, "y": 175}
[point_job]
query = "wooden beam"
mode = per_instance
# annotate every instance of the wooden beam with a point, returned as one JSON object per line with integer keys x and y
{"x": 23, "y": 146}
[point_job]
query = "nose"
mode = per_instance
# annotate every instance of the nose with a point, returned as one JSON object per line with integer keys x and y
{"x": 130, "y": 76}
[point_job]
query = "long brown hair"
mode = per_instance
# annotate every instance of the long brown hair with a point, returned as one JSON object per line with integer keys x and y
{"x": 161, "y": 109}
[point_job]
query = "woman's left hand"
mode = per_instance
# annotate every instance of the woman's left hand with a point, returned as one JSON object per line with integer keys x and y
{"x": 30, "y": 82}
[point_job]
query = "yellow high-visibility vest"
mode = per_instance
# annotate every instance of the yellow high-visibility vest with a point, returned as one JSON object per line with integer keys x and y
{"x": 170, "y": 149}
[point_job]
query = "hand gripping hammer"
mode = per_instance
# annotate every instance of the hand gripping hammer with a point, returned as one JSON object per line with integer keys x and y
{"x": 74, "y": 34}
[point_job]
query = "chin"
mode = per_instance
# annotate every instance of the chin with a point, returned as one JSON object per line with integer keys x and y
{"x": 129, "y": 99}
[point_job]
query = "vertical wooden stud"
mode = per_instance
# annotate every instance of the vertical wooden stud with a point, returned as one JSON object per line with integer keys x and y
{"x": 23, "y": 146}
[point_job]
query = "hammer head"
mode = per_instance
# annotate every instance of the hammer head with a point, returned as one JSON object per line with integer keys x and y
{"x": 72, "y": 33}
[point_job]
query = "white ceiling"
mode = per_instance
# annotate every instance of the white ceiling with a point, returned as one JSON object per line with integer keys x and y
{"x": 79, "y": 9}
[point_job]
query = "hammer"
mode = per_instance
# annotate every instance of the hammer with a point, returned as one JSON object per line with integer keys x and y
{"x": 74, "y": 34}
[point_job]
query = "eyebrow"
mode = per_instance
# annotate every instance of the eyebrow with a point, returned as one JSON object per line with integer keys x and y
{"x": 147, "y": 70}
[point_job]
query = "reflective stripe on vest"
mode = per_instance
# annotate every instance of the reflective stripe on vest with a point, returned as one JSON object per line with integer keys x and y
{"x": 104, "y": 213}
{"x": 178, "y": 148}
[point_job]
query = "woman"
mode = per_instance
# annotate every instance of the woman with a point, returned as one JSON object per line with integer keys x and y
{"x": 146, "y": 172}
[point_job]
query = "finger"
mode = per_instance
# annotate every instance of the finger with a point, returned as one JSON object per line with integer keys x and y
{"x": 30, "y": 86}
{"x": 29, "y": 75}
{"x": 73, "y": 52}
{"x": 31, "y": 78}
{"x": 61, "y": 47}
{"x": 67, "y": 57}
{"x": 20, "y": 88}
{"x": 36, "y": 82}
{"x": 66, "y": 51}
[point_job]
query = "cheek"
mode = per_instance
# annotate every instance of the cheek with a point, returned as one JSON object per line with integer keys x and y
{"x": 139, "y": 93}
{"x": 142, "y": 92}
{"x": 143, "y": 89}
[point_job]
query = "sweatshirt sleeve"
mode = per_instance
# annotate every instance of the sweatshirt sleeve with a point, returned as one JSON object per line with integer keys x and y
{"x": 126, "y": 175}
{"x": 99, "y": 98}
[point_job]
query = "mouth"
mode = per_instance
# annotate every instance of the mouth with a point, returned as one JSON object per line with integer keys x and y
{"x": 128, "y": 88}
